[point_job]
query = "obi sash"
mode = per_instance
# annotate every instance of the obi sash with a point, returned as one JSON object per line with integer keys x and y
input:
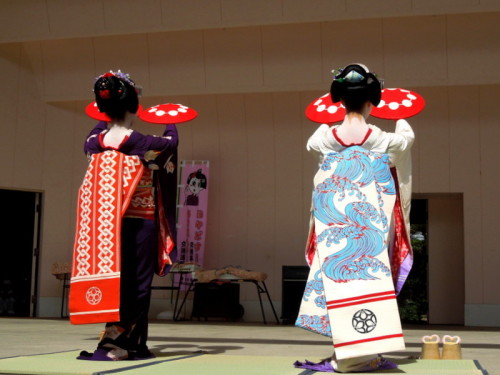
{"x": 350, "y": 294}
{"x": 105, "y": 194}
{"x": 142, "y": 204}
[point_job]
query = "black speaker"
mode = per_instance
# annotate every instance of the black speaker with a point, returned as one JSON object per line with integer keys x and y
{"x": 217, "y": 300}
{"x": 294, "y": 280}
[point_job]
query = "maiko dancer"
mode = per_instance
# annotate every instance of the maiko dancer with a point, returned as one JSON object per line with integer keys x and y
{"x": 125, "y": 224}
{"x": 358, "y": 247}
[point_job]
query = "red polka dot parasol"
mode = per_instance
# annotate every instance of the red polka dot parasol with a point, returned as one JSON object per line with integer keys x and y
{"x": 92, "y": 111}
{"x": 168, "y": 113}
{"x": 398, "y": 104}
{"x": 324, "y": 111}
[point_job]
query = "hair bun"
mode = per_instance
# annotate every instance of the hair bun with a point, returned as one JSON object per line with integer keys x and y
{"x": 356, "y": 83}
{"x": 115, "y": 94}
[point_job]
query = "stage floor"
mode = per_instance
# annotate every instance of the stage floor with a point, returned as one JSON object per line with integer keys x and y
{"x": 23, "y": 337}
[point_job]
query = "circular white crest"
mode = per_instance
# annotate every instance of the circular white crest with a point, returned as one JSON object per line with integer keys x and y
{"x": 160, "y": 113}
{"x": 321, "y": 108}
{"x": 173, "y": 113}
{"x": 93, "y": 295}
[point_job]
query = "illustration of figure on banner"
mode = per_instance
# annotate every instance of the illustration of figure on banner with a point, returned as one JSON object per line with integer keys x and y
{"x": 196, "y": 182}
{"x": 192, "y": 218}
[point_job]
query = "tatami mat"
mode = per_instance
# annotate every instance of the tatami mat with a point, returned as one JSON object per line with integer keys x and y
{"x": 206, "y": 364}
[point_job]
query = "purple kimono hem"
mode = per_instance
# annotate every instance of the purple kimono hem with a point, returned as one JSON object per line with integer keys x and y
{"x": 323, "y": 366}
{"x": 326, "y": 366}
{"x": 404, "y": 271}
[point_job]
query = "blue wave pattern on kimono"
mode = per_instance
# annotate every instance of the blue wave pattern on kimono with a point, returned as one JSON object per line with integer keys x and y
{"x": 316, "y": 285}
{"x": 360, "y": 223}
{"x": 315, "y": 323}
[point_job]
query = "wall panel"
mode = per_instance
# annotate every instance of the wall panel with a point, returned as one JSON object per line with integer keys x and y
{"x": 10, "y": 59}
{"x": 191, "y": 13}
{"x": 59, "y": 213}
{"x": 233, "y": 184}
{"x": 413, "y": 51}
{"x": 368, "y": 9}
{"x": 261, "y": 164}
{"x": 241, "y": 12}
{"x": 291, "y": 216}
{"x": 317, "y": 10}
{"x": 473, "y": 48}
{"x": 490, "y": 204}
{"x": 176, "y": 61}
{"x": 233, "y": 58}
{"x": 109, "y": 55}
{"x": 434, "y": 143}
{"x": 68, "y": 65}
{"x": 346, "y": 42}
{"x": 292, "y": 54}
{"x": 465, "y": 176}
{"x": 81, "y": 18}
{"x": 21, "y": 20}
{"x": 123, "y": 16}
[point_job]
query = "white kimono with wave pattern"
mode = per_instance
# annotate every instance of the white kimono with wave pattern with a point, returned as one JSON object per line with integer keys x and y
{"x": 359, "y": 210}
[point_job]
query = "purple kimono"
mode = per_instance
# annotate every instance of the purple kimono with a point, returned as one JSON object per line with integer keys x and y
{"x": 139, "y": 238}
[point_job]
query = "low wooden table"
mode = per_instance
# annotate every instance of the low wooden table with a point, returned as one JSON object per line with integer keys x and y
{"x": 260, "y": 286}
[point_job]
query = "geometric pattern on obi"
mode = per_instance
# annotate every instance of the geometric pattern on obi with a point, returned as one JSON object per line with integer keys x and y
{"x": 142, "y": 204}
{"x": 103, "y": 197}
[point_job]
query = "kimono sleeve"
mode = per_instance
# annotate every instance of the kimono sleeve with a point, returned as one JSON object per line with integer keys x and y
{"x": 92, "y": 145}
{"x": 400, "y": 142}
{"x": 399, "y": 150}
{"x": 317, "y": 142}
{"x": 168, "y": 142}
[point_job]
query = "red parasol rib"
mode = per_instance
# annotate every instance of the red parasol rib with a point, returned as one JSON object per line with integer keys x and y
{"x": 168, "y": 113}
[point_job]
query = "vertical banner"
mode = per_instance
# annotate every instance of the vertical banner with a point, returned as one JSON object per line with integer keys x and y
{"x": 192, "y": 215}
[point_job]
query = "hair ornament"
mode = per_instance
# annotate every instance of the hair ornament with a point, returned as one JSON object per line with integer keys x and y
{"x": 336, "y": 74}
{"x": 355, "y": 84}
{"x": 104, "y": 94}
{"x": 354, "y": 77}
{"x": 120, "y": 75}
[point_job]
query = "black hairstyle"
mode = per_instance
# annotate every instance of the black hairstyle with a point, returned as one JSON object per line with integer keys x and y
{"x": 115, "y": 96}
{"x": 354, "y": 85}
{"x": 200, "y": 176}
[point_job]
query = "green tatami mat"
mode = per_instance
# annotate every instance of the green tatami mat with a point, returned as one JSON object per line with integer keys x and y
{"x": 65, "y": 363}
{"x": 207, "y": 364}
{"x": 267, "y": 365}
